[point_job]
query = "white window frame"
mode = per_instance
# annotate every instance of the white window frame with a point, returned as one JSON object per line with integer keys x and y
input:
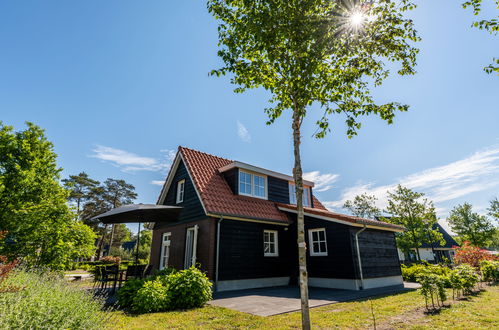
{"x": 165, "y": 242}
{"x": 252, "y": 175}
{"x": 306, "y": 195}
{"x": 180, "y": 192}
{"x": 314, "y": 253}
{"x": 276, "y": 243}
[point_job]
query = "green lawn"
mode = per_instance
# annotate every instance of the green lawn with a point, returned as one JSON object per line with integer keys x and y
{"x": 405, "y": 310}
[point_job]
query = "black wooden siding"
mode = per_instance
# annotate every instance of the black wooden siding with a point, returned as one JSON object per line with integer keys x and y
{"x": 241, "y": 251}
{"x": 232, "y": 178}
{"x": 378, "y": 253}
{"x": 278, "y": 190}
{"x": 339, "y": 262}
{"x": 192, "y": 208}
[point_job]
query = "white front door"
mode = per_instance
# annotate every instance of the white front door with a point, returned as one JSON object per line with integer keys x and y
{"x": 190, "y": 247}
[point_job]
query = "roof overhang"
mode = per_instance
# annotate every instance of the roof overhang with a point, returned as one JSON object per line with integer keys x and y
{"x": 134, "y": 213}
{"x": 248, "y": 219}
{"x": 257, "y": 169}
{"x": 343, "y": 222}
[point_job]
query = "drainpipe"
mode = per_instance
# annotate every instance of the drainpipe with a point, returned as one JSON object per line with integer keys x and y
{"x": 358, "y": 256}
{"x": 218, "y": 252}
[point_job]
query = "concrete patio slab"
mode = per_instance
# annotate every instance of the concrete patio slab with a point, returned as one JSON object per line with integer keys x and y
{"x": 278, "y": 300}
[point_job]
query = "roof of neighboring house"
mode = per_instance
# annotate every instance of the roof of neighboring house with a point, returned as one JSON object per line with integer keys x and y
{"x": 219, "y": 200}
{"x": 449, "y": 241}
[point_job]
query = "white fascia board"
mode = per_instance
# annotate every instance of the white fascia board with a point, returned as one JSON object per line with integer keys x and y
{"x": 257, "y": 169}
{"x": 348, "y": 223}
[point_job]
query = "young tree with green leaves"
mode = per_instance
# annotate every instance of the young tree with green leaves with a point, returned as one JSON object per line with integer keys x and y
{"x": 494, "y": 209}
{"x": 490, "y": 25}
{"x": 40, "y": 226}
{"x": 417, "y": 214}
{"x": 317, "y": 56}
{"x": 80, "y": 187}
{"x": 363, "y": 206}
{"x": 471, "y": 226}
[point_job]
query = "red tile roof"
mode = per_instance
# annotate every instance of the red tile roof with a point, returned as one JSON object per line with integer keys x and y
{"x": 218, "y": 198}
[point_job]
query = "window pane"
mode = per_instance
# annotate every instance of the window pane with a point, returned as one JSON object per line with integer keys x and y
{"x": 259, "y": 183}
{"x": 272, "y": 248}
{"x": 266, "y": 247}
{"x": 292, "y": 194}
{"x": 315, "y": 247}
{"x": 244, "y": 183}
{"x": 306, "y": 195}
{"x": 322, "y": 246}
{"x": 315, "y": 236}
{"x": 322, "y": 235}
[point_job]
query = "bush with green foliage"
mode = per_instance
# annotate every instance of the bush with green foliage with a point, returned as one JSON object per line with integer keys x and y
{"x": 463, "y": 279}
{"x": 432, "y": 288}
{"x": 128, "y": 292}
{"x": 154, "y": 296}
{"x": 490, "y": 270}
{"x": 168, "y": 289}
{"x": 47, "y": 301}
{"x": 411, "y": 273}
{"x": 188, "y": 288}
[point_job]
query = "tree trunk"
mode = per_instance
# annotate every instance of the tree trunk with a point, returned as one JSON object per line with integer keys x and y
{"x": 417, "y": 254}
{"x": 101, "y": 243}
{"x": 302, "y": 250}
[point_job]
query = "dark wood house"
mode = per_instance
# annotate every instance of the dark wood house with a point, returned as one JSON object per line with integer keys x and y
{"x": 238, "y": 223}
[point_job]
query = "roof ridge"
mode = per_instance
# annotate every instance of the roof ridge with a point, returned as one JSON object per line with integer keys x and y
{"x": 180, "y": 148}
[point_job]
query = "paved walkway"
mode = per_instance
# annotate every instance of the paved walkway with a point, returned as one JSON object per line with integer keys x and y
{"x": 278, "y": 300}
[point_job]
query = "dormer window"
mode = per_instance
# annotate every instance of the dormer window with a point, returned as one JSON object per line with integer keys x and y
{"x": 253, "y": 185}
{"x": 292, "y": 195}
{"x": 180, "y": 191}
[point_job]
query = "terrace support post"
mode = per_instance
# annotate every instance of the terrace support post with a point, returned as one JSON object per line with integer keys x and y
{"x": 137, "y": 247}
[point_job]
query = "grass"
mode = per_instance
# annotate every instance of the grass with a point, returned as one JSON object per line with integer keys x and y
{"x": 404, "y": 310}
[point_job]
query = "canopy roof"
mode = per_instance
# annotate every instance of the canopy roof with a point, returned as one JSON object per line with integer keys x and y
{"x": 139, "y": 213}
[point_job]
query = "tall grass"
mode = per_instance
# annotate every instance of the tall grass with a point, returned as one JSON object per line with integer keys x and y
{"x": 45, "y": 301}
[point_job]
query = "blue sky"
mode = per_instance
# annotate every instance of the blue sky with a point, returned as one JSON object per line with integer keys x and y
{"x": 118, "y": 85}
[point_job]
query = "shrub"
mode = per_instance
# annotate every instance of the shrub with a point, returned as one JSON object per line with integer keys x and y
{"x": 471, "y": 255}
{"x": 152, "y": 297}
{"x": 463, "y": 278}
{"x": 490, "y": 270}
{"x": 411, "y": 273}
{"x": 128, "y": 292}
{"x": 46, "y": 301}
{"x": 188, "y": 288}
{"x": 168, "y": 289}
{"x": 432, "y": 288}
{"x": 108, "y": 260}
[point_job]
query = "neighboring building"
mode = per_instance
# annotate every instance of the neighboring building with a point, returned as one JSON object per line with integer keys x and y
{"x": 433, "y": 253}
{"x": 238, "y": 223}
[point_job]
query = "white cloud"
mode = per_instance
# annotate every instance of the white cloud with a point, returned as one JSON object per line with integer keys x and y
{"x": 158, "y": 182}
{"x": 323, "y": 182}
{"x": 477, "y": 172}
{"x": 130, "y": 162}
{"x": 243, "y": 132}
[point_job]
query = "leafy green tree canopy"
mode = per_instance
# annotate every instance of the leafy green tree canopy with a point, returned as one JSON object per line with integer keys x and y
{"x": 363, "y": 206}
{"x": 417, "y": 214}
{"x": 307, "y": 52}
{"x": 491, "y": 25}
{"x": 471, "y": 226}
{"x": 33, "y": 210}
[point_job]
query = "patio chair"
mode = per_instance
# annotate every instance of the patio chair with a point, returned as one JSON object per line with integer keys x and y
{"x": 135, "y": 271}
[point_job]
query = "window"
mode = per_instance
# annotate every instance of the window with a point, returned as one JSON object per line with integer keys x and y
{"x": 317, "y": 241}
{"x": 252, "y": 185}
{"x": 292, "y": 195}
{"x": 270, "y": 247}
{"x": 180, "y": 191}
{"x": 165, "y": 250}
